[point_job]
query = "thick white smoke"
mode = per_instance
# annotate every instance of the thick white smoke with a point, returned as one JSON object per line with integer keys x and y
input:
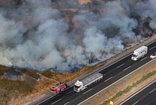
{"x": 37, "y": 36}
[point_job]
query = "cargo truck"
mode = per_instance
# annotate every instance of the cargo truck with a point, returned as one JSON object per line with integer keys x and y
{"x": 140, "y": 52}
{"x": 58, "y": 88}
{"x": 81, "y": 85}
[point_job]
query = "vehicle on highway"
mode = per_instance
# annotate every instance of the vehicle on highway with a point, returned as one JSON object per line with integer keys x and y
{"x": 140, "y": 52}
{"x": 58, "y": 88}
{"x": 81, "y": 85}
{"x": 153, "y": 56}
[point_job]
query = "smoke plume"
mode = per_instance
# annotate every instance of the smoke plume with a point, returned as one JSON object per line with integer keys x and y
{"x": 39, "y": 35}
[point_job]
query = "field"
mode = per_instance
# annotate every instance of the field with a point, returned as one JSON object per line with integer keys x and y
{"x": 32, "y": 84}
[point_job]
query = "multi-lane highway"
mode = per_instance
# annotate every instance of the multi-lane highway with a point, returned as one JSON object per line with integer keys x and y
{"x": 112, "y": 74}
{"x": 145, "y": 96}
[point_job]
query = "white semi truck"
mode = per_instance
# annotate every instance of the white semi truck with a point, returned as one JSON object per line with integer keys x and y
{"x": 140, "y": 52}
{"x": 81, "y": 85}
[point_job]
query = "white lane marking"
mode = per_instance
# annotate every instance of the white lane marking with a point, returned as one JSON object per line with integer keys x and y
{"x": 66, "y": 103}
{"x": 135, "y": 102}
{"x": 87, "y": 91}
{"x": 127, "y": 68}
{"x": 152, "y": 91}
{"x": 137, "y": 92}
{"x": 120, "y": 65}
{"x": 143, "y": 59}
{"x": 152, "y": 48}
{"x": 108, "y": 79}
{"x": 114, "y": 82}
{"x": 56, "y": 101}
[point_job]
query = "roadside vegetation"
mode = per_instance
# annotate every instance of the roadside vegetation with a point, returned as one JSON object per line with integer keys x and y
{"x": 28, "y": 87}
{"x": 127, "y": 85}
{"x": 65, "y": 77}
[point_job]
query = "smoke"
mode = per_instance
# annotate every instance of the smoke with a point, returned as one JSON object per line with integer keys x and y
{"x": 38, "y": 36}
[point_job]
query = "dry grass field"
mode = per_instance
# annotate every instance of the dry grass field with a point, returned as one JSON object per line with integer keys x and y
{"x": 30, "y": 89}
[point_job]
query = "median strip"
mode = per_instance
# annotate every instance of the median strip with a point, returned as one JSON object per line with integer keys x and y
{"x": 145, "y": 74}
{"x": 130, "y": 87}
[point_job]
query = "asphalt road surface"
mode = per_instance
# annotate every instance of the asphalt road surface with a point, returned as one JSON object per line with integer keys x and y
{"x": 112, "y": 74}
{"x": 146, "y": 96}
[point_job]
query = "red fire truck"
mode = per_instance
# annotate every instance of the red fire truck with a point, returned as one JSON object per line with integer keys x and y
{"x": 58, "y": 88}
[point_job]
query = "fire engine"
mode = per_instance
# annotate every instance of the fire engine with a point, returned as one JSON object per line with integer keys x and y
{"x": 58, "y": 88}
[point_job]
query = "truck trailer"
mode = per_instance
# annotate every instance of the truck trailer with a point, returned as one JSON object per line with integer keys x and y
{"x": 140, "y": 52}
{"x": 81, "y": 85}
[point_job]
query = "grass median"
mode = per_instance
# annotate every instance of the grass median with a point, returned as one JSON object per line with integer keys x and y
{"x": 127, "y": 85}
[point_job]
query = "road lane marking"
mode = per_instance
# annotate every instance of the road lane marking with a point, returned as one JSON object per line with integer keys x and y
{"x": 56, "y": 101}
{"x": 108, "y": 79}
{"x": 152, "y": 48}
{"x": 87, "y": 91}
{"x": 127, "y": 68}
{"x": 143, "y": 59}
{"x": 135, "y": 102}
{"x": 137, "y": 92}
{"x": 152, "y": 91}
{"x": 66, "y": 103}
{"x": 115, "y": 82}
{"x": 120, "y": 65}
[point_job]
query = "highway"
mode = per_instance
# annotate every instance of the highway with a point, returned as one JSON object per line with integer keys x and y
{"x": 112, "y": 74}
{"x": 145, "y": 96}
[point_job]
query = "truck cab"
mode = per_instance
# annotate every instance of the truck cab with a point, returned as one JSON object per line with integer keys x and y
{"x": 134, "y": 57}
{"x": 140, "y": 52}
{"x": 78, "y": 86}
{"x": 53, "y": 89}
{"x": 58, "y": 88}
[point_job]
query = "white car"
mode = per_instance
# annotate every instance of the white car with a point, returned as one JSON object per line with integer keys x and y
{"x": 153, "y": 56}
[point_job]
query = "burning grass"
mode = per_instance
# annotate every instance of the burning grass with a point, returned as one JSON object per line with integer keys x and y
{"x": 2, "y": 70}
{"x": 30, "y": 73}
{"x": 65, "y": 77}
